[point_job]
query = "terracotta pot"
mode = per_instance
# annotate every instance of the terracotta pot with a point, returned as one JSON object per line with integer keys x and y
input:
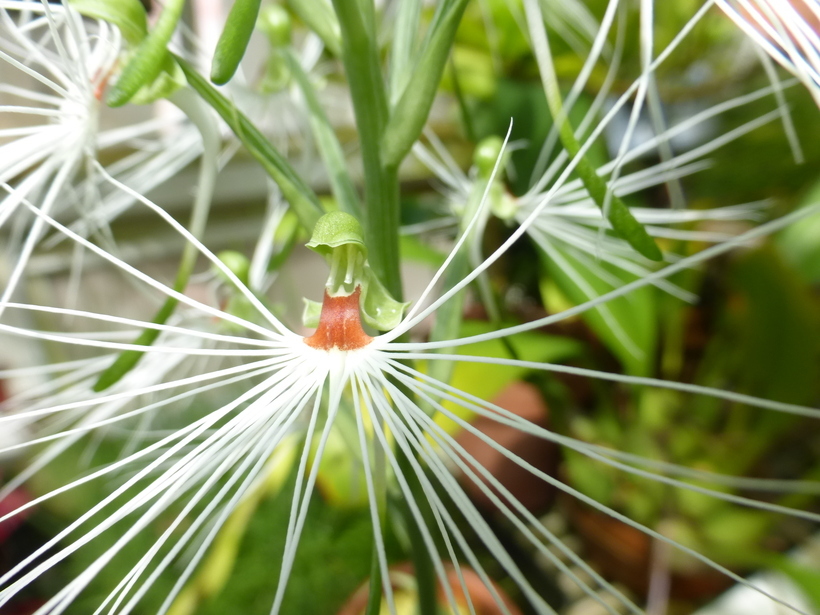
{"x": 403, "y": 585}
{"x": 524, "y": 400}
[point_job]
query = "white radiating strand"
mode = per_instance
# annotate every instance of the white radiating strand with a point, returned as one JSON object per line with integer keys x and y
{"x": 766, "y": 30}
{"x": 481, "y": 477}
{"x": 141, "y": 324}
{"x": 408, "y": 323}
{"x": 489, "y": 485}
{"x": 302, "y": 495}
{"x": 500, "y": 415}
{"x": 170, "y": 292}
{"x": 473, "y": 223}
{"x": 284, "y": 381}
{"x": 252, "y": 370}
{"x": 684, "y": 387}
{"x": 689, "y": 261}
{"x": 268, "y": 439}
{"x": 376, "y": 405}
{"x": 250, "y": 296}
{"x": 575, "y": 493}
{"x": 577, "y": 89}
{"x": 357, "y": 391}
{"x": 404, "y": 439}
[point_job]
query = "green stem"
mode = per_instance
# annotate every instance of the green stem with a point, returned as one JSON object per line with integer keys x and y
{"x": 360, "y": 55}
{"x": 422, "y": 562}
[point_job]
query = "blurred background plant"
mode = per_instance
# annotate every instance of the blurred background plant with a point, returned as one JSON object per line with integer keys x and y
{"x": 397, "y": 113}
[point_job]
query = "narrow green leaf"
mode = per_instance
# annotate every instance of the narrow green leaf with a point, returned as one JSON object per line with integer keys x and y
{"x": 411, "y": 111}
{"x": 234, "y": 40}
{"x": 127, "y": 15}
{"x": 319, "y": 17}
{"x": 301, "y": 197}
{"x": 328, "y": 143}
{"x": 403, "y": 47}
{"x": 147, "y": 61}
{"x": 129, "y": 358}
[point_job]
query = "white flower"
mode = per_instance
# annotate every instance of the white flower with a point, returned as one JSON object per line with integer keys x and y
{"x": 55, "y": 65}
{"x": 788, "y": 31}
{"x": 196, "y": 470}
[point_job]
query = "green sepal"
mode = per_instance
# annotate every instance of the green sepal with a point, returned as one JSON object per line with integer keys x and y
{"x": 338, "y": 237}
{"x": 311, "y": 313}
{"x": 128, "y": 15}
{"x": 377, "y": 306}
{"x": 233, "y": 42}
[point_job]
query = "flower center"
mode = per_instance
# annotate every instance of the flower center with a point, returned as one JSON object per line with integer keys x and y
{"x": 339, "y": 324}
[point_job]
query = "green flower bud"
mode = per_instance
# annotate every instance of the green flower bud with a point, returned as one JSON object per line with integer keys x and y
{"x": 238, "y": 264}
{"x": 486, "y": 153}
{"x": 274, "y": 21}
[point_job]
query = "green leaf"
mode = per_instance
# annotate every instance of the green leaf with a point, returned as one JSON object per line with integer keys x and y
{"x": 233, "y": 42}
{"x": 327, "y": 141}
{"x": 300, "y": 196}
{"x": 487, "y": 380}
{"x": 319, "y": 17}
{"x": 626, "y": 325}
{"x": 403, "y": 46}
{"x": 148, "y": 58}
{"x": 800, "y": 242}
{"x": 411, "y": 111}
{"x": 127, "y": 15}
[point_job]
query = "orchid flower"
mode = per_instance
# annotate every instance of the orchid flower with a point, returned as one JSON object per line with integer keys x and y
{"x": 228, "y": 399}
{"x": 789, "y": 32}
{"x": 282, "y": 385}
{"x": 56, "y": 65}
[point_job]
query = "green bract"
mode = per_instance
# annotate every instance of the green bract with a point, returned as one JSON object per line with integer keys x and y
{"x": 338, "y": 237}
